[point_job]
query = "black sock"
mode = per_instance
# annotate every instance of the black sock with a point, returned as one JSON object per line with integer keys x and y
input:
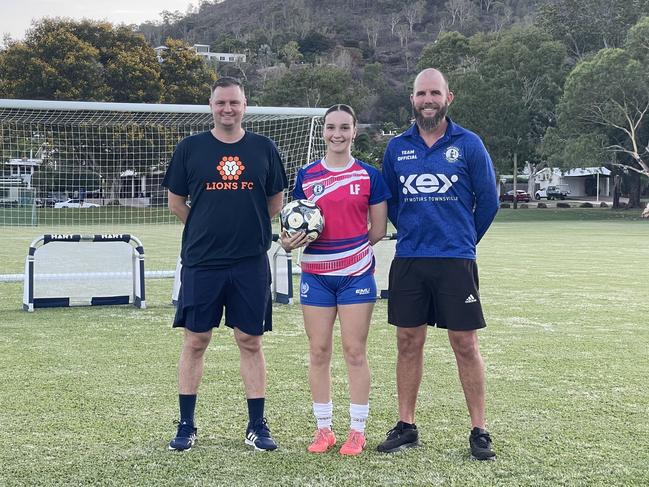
{"x": 255, "y": 409}
{"x": 187, "y": 404}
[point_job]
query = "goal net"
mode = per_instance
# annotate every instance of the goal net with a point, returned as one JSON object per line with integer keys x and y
{"x": 78, "y": 270}
{"x": 79, "y": 167}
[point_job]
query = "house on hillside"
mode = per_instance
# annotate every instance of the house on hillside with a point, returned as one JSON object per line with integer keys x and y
{"x": 203, "y": 50}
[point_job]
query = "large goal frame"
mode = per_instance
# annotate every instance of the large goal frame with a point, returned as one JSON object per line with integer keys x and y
{"x": 115, "y": 154}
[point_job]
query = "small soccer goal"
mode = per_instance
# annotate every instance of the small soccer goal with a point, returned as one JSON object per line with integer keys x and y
{"x": 84, "y": 270}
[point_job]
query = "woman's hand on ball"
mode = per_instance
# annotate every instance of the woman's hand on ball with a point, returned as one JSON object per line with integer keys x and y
{"x": 290, "y": 242}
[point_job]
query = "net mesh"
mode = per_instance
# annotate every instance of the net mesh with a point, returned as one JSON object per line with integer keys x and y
{"x": 82, "y": 270}
{"x": 90, "y": 167}
{"x": 114, "y": 159}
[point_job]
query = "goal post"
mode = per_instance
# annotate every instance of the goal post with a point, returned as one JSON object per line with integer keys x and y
{"x": 110, "y": 158}
{"x": 86, "y": 167}
{"x": 84, "y": 270}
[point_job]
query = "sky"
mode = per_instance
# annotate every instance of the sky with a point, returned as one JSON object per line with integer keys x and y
{"x": 16, "y": 15}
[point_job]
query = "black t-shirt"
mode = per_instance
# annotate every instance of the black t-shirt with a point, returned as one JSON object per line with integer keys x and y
{"x": 228, "y": 185}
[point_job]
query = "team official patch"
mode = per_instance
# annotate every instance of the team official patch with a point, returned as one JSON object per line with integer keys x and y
{"x": 452, "y": 154}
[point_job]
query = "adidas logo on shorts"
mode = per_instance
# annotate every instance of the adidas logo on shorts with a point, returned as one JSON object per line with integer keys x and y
{"x": 470, "y": 299}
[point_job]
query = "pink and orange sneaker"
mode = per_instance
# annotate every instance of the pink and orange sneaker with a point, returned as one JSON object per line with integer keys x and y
{"x": 323, "y": 440}
{"x": 354, "y": 444}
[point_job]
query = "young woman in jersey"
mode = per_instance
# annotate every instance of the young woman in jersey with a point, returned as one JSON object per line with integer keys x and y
{"x": 338, "y": 272}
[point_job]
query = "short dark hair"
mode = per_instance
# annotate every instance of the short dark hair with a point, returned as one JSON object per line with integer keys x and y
{"x": 340, "y": 107}
{"x": 226, "y": 81}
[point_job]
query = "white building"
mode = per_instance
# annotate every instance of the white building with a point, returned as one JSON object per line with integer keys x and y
{"x": 22, "y": 169}
{"x": 203, "y": 50}
{"x": 222, "y": 57}
{"x": 581, "y": 181}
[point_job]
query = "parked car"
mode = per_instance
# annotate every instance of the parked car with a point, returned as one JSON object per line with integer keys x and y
{"x": 75, "y": 203}
{"x": 46, "y": 202}
{"x": 557, "y": 192}
{"x": 520, "y": 196}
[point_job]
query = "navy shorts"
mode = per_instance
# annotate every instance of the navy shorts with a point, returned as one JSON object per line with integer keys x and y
{"x": 243, "y": 289}
{"x": 329, "y": 291}
{"x": 437, "y": 292}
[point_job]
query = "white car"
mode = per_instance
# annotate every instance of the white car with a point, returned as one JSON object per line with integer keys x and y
{"x": 75, "y": 203}
{"x": 557, "y": 192}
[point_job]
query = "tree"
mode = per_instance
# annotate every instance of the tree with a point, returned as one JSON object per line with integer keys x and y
{"x": 372, "y": 28}
{"x": 450, "y": 52}
{"x": 510, "y": 94}
{"x": 460, "y": 11}
{"x": 486, "y": 5}
{"x": 412, "y": 12}
{"x": 52, "y": 63}
{"x": 290, "y": 53}
{"x": 186, "y": 77}
{"x": 403, "y": 33}
{"x": 315, "y": 43}
{"x": 227, "y": 42}
{"x": 604, "y": 111}
{"x": 81, "y": 60}
{"x": 585, "y": 26}
{"x": 394, "y": 18}
{"x": 315, "y": 86}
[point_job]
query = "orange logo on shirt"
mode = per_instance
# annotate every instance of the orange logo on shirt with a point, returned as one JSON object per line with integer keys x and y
{"x": 230, "y": 168}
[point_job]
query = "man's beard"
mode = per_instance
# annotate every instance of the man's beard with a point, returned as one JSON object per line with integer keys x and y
{"x": 429, "y": 124}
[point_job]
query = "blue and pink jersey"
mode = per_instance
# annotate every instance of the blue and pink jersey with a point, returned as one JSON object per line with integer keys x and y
{"x": 344, "y": 196}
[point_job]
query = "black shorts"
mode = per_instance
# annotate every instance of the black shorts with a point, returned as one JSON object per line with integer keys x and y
{"x": 243, "y": 289}
{"x": 437, "y": 292}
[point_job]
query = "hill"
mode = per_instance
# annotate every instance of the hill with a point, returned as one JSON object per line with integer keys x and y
{"x": 377, "y": 42}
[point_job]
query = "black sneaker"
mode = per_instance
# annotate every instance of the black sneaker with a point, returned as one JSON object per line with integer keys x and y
{"x": 185, "y": 437}
{"x": 258, "y": 436}
{"x": 480, "y": 443}
{"x": 399, "y": 438}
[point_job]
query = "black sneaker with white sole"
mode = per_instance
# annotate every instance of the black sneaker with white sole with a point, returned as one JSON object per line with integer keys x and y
{"x": 258, "y": 436}
{"x": 399, "y": 438}
{"x": 480, "y": 443}
{"x": 185, "y": 437}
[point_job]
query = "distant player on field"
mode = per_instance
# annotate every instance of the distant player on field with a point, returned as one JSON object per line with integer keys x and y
{"x": 443, "y": 200}
{"x": 235, "y": 179}
{"x": 338, "y": 273}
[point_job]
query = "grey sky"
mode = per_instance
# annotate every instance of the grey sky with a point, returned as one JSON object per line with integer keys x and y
{"x": 16, "y": 15}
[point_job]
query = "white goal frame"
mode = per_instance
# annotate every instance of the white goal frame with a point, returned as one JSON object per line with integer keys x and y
{"x": 135, "y": 296}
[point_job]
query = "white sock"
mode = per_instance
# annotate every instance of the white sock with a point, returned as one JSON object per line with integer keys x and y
{"x": 323, "y": 412}
{"x": 358, "y": 416}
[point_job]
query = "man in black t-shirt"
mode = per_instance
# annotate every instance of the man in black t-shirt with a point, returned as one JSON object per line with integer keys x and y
{"x": 235, "y": 179}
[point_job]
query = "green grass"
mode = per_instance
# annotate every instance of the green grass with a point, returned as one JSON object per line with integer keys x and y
{"x": 28, "y": 216}
{"x": 88, "y": 394}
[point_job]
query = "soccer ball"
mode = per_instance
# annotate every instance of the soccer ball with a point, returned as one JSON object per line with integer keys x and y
{"x": 302, "y": 215}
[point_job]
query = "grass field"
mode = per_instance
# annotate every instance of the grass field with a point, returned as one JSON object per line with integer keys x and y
{"x": 88, "y": 395}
